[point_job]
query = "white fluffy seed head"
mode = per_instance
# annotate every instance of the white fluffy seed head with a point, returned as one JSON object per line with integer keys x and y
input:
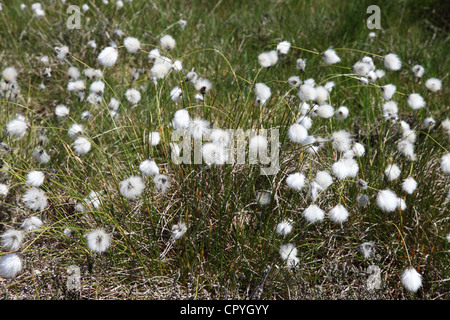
{"x": 167, "y": 42}
{"x": 433, "y": 84}
{"x": 411, "y": 279}
{"x": 322, "y": 95}
{"x": 262, "y": 93}
{"x": 325, "y": 111}
{"x": 324, "y": 179}
{"x": 162, "y": 183}
{"x": 154, "y": 138}
{"x": 176, "y": 94}
{"x": 342, "y": 113}
{"x": 415, "y": 101}
{"x": 9, "y": 74}
{"x": 32, "y": 223}
{"x": 392, "y": 62}
{"x": 12, "y": 239}
{"x": 198, "y": 128}
{"x": 313, "y": 213}
{"x": 390, "y": 110}
{"x": 108, "y": 56}
{"x": 258, "y": 144}
{"x": 296, "y": 181}
{"x": 307, "y": 92}
{"x": 35, "y": 178}
{"x": 341, "y": 140}
{"x": 418, "y": 71}
{"x": 10, "y": 265}
{"x": 358, "y": 149}
{"x": 61, "y": 111}
{"x": 445, "y": 163}
{"x": 149, "y": 167}
{"x": 338, "y": 214}
{"x": 132, "y": 44}
{"x": 35, "y": 199}
{"x": 133, "y": 96}
{"x": 283, "y": 228}
{"x": 98, "y": 240}
{"x": 297, "y": 133}
{"x": 132, "y": 187}
{"x": 387, "y": 200}
{"x": 330, "y": 57}
{"x": 288, "y": 251}
{"x": 388, "y": 91}
{"x": 178, "y": 230}
{"x": 392, "y": 172}
{"x": 82, "y": 145}
{"x": 409, "y": 185}
{"x": 17, "y": 127}
{"x": 181, "y": 119}
{"x": 283, "y": 47}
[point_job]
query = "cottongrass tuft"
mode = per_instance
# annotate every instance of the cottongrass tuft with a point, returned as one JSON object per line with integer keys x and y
{"x": 283, "y": 228}
{"x": 178, "y": 230}
{"x": 330, "y": 57}
{"x": 17, "y": 127}
{"x": 341, "y": 140}
{"x": 31, "y": 224}
{"x": 162, "y": 183}
{"x": 98, "y": 240}
{"x": 392, "y": 172}
{"x": 297, "y": 133}
{"x": 132, "y": 44}
{"x": 367, "y": 249}
{"x": 296, "y": 181}
{"x": 82, "y": 145}
{"x": 313, "y": 213}
{"x": 35, "y": 178}
{"x": 263, "y": 198}
{"x": 132, "y": 187}
{"x": 409, "y": 185}
{"x": 12, "y": 239}
{"x": 387, "y": 200}
{"x": 433, "y": 84}
{"x": 35, "y": 199}
{"x": 415, "y": 101}
{"x": 154, "y": 138}
{"x": 288, "y": 253}
{"x": 392, "y": 62}
{"x": 411, "y": 279}
{"x": 338, "y": 214}
{"x": 445, "y": 163}
{"x": 10, "y": 265}
{"x": 108, "y": 56}
{"x": 3, "y": 190}
{"x": 167, "y": 42}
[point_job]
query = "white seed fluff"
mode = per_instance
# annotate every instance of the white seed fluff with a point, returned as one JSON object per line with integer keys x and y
{"x": 178, "y": 230}
{"x": 149, "y": 167}
{"x": 12, "y": 239}
{"x": 325, "y": 111}
{"x": 61, "y": 111}
{"x": 342, "y": 113}
{"x": 445, "y": 163}
{"x": 82, "y": 145}
{"x": 133, "y": 96}
{"x": 108, "y": 56}
{"x": 167, "y": 42}
{"x": 411, "y": 279}
{"x": 387, "y": 200}
{"x": 338, "y": 214}
{"x": 415, "y": 101}
{"x": 262, "y": 92}
{"x": 98, "y": 240}
{"x": 297, "y": 133}
{"x": 10, "y": 265}
{"x": 418, "y": 71}
{"x": 283, "y": 47}
{"x": 296, "y": 181}
{"x": 433, "y": 84}
{"x": 313, "y": 213}
{"x": 35, "y": 199}
{"x": 392, "y": 172}
{"x": 330, "y": 57}
{"x": 341, "y": 140}
{"x": 409, "y": 185}
{"x": 392, "y": 62}
{"x": 181, "y": 119}
{"x": 283, "y": 228}
{"x": 154, "y": 138}
{"x": 35, "y": 178}
{"x": 17, "y": 127}
{"x": 132, "y": 44}
{"x": 198, "y": 128}
{"x": 323, "y": 179}
{"x": 132, "y": 187}
{"x": 388, "y": 91}
{"x": 288, "y": 251}
{"x": 31, "y": 223}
